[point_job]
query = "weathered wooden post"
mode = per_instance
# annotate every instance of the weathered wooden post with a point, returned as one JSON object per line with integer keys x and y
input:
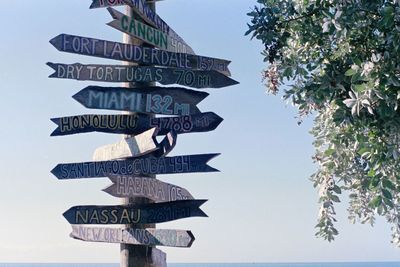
{"x": 135, "y": 255}
{"x": 151, "y": 52}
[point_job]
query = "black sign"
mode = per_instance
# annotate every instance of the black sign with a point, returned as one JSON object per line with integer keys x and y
{"x": 135, "y": 214}
{"x": 136, "y": 167}
{"x": 135, "y": 124}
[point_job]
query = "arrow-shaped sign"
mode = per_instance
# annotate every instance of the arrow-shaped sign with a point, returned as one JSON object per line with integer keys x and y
{"x": 153, "y": 100}
{"x": 135, "y": 214}
{"x": 135, "y": 124}
{"x": 132, "y": 53}
{"x": 125, "y": 73}
{"x": 136, "y": 167}
{"x": 146, "y": 237}
{"x": 141, "y": 8}
{"x": 158, "y": 191}
{"x": 136, "y": 146}
{"x": 142, "y": 31}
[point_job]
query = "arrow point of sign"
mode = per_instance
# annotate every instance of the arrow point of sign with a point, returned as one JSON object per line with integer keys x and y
{"x": 109, "y": 190}
{"x": 54, "y": 67}
{"x": 56, "y": 41}
{"x": 192, "y": 238}
{"x": 114, "y": 13}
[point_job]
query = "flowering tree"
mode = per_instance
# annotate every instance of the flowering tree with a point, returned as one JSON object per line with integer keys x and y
{"x": 341, "y": 59}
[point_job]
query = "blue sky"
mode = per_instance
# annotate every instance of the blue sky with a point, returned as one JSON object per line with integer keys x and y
{"x": 262, "y": 207}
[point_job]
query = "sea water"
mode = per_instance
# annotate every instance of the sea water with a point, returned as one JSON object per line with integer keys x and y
{"x": 316, "y": 264}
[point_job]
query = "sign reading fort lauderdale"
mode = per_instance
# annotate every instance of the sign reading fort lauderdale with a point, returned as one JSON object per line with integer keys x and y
{"x": 153, "y": 100}
{"x": 146, "y": 237}
{"x": 128, "y": 186}
{"x": 135, "y": 214}
{"x": 124, "y": 73}
{"x": 138, "y": 54}
{"x": 137, "y": 167}
{"x": 135, "y": 124}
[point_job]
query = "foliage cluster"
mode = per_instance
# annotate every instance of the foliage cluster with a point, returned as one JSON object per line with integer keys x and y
{"x": 341, "y": 60}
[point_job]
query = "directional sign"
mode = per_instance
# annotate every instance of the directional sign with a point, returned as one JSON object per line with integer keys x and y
{"x": 128, "y": 186}
{"x": 146, "y": 237}
{"x": 142, "y": 31}
{"x": 141, "y": 8}
{"x": 136, "y": 213}
{"x": 136, "y": 146}
{"x": 152, "y": 100}
{"x": 135, "y": 124}
{"x": 125, "y": 73}
{"x": 136, "y": 167}
{"x": 139, "y": 54}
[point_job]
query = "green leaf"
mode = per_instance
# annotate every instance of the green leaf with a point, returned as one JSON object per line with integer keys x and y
{"x": 388, "y": 184}
{"x": 335, "y": 198}
{"x": 386, "y": 193}
{"x": 376, "y": 202}
{"x": 337, "y": 189}
{"x": 350, "y": 72}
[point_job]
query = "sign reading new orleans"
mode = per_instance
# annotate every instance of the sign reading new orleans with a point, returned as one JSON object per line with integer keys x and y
{"x": 146, "y": 237}
{"x": 137, "y": 146}
{"x": 128, "y": 186}
{"x": 124, "y": 73}
{"x": 136, "y": 166}
{"x": 148, "y": 15}
{"x": 153, "y": 100}
{"x": 135, "y": 124}
{"x": 135, "y": 214}
{"x": 139, "y": 54}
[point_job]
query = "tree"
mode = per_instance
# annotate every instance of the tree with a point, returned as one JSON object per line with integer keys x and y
{"x": 341, "y": 60}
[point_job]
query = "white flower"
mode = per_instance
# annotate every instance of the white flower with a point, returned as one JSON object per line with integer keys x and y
{"x": 367, "y": 68}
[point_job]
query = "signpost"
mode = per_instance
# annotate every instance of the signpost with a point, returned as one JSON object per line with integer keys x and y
{"x": 129, "y": 186}
{"x": 133, "y": 163}
{"x": 144, "y": 237}
{"x": 135, "y": 167}
{"x": 135, "y": 124}
{"x": 136, "y": 146}
{"x": 135, "y": 214}
{"x": 123, "y": 73}
{"x": 138, "y": 54}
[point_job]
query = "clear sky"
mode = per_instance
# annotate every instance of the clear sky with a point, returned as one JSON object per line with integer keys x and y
{"x": 262, "y": 207}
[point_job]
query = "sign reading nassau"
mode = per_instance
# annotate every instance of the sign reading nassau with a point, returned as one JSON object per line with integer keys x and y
{"x": 151, "y": 188}
{"x": 124, "y": 73}
{"x": 135, "y": 124}
{"x": 136, "y": 166}
{"x": 135, "y": 214}
{"x": 146, "y": 237}
{"x": 153, "y": 100}
{"x": 139, "y": 54}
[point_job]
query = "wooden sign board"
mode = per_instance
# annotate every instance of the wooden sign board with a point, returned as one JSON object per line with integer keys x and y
{"x": 151, "y": 188}
{"x": 151, "y": 100}
{"x": 135, "y": 166}
{"x": 145, "y": 237}
{"x": 136, "y": 146}
{"x": 148, "y": 15}
{"x": 136, "y": 213}
{"x": 144, "y": 32}
{"x": 135, "y": 124}
{"x": 139, "y": 54}
{"x": 124, "y": 73}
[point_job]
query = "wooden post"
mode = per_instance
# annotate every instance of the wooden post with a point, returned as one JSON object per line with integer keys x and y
{"x": 134, "y": 255}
